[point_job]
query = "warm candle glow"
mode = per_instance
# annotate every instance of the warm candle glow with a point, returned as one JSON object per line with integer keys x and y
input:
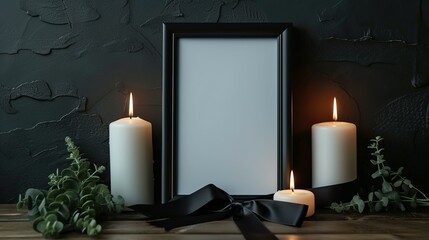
{"x": 131, "y": 110}
{"x": 334, "y": 114}
{"x": 292, "y": 181}
{"x": 299, "y": 196}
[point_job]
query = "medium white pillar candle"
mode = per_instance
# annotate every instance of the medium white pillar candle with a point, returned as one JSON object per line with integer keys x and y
{"x": 131, "y": 159}
{"x": 300, "y": 196}
{"x": 333, "y": 152}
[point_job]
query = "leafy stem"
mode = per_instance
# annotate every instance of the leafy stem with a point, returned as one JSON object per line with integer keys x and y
{"x": 74, "y": 200}
{"x": 395, "y": 189}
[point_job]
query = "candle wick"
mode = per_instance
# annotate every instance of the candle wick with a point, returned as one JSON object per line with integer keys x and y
{"x": 293, "y": 190}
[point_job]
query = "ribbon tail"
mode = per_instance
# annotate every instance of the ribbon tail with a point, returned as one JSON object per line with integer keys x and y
{"x": 172, "y": 223}
{"x": 251, "y": 227}
{"x": 286, "y": 213}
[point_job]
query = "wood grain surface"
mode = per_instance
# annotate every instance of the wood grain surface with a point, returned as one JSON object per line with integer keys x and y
{"x": 324, "y": 225}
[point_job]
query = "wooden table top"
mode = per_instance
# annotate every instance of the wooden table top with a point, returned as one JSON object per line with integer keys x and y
{"x": 324, "y": 225}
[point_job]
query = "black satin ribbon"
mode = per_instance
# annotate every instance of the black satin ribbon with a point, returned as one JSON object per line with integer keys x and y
{"x": 211, "y": 203}
{"x": 334, "y": 193}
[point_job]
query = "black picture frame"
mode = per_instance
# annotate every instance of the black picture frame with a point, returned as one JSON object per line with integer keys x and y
{"x": 173, "y": 33}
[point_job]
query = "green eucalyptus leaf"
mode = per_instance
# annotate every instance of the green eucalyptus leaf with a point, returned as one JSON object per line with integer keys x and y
{"x": 379, "y": 195}
{"x": 74, "y": 167}
{"x": 398, "y": 183}
{"x": 100, "y": 199}
{"x": 379, "y": 161}
{"x": 20, "y": 204}
{"x": 63, "y": 198}
{"x": 339, "y": 209}
{"x": 371, "y": 196}
{"x": 75, "y": 216}
{"x": 385, "y": 201}
{"x": 406, "y": 188}
{"x": 119, "y": 203}
{"x": 43, "y": 211}
{"x": 93, "y": 178}
{"x": 33, "y": 213}
{"x": 386, "y": 187}
{"x": 407, "y": 182}
{"x": 42, "y": 204}
{"x": 395, "y": 196}
{"x": 85, "y": 166}
{"x": 86, "y": 190}
{"x": 361, "y": 205}
{"x": 54, "y": 193}
{"x": 92, "y": 223}
{"x": 72, "y": 195}
{"x": 88, "y": 204}
{"x": 58, "y": 226}
{"x": 64, "y": 212}
{"x": 355, "y": 198}
{"x": 385, "y": 172}
{"x": 79, "y": 224}
{"x": 82, "y": 175}
{"x": 67, "y": 172}
{"x": 70, "y": 183}
{"x": 378, "y": 206}
{"x": 89, "y": 184}
{"x": 91, "y": 213}
{"x": 93, "y": 230}
{"x": 401, "y": 206}
{"x": 51, "y": 218}
{"x": 373, "y": 162}
{"x": 376, "y": 174}
{"x": 32, "y": 192}
{"x": 87, "y": 197}
{"x": 39, "y": 224}
{"x": 73, "y": 200}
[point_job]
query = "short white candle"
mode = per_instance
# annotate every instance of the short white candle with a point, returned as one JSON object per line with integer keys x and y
{"x": 293, "y": 195}
{"x": 333, "y": 152}
{"x": 131, "y": 159}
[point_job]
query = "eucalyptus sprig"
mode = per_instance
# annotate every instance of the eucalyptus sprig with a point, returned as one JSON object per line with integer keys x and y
{"x": 394, "y": 189}
{"x": 74, "y": 200}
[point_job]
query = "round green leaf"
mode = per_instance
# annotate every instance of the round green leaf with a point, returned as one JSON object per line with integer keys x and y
{"x": 51, "y": 218}
{"x": 378, "y": 206}
{"x": 70, "y": 183}
{"x": 385, "y": 201}
{"x": 39, "y": 224}
{"x": 58, "y": 226}
{"x": 371, "y": 196}
{"x": 361, "y": 205}
{"x": 398, "y": 183}
{"x": 386, "y": 187}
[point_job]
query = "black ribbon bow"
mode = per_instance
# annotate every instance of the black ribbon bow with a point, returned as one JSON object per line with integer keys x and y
{"x": 211, "y": 203}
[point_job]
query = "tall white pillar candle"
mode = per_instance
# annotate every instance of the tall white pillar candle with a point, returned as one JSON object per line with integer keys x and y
{"x": 333, "y": 152}
{"x": 131, "y": 159}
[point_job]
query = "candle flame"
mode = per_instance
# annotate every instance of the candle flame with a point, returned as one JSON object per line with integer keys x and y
{"x": 292, "y": 181}
{"x": 334, "y": 114}
{"x": 131, "y": 110}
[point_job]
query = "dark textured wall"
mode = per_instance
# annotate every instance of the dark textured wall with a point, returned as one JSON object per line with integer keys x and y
{"x": 66, "y": 67}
